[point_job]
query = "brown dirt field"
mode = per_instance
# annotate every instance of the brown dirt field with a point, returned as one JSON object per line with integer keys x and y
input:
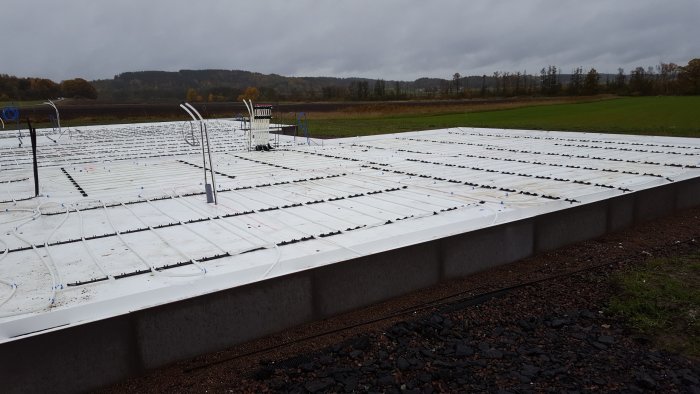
{"x": 85, "y": 112}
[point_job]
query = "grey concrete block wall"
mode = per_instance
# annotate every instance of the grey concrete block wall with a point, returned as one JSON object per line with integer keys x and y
{"x": 71, "y": 360}
{"x": 87, "y": 356}
{"x": 620, "y": 212}
{"x": 354, "y": 283}
{"x": 579, "y": 223}
{"x": 480, "y": 250}
{"x": 222, "y": 319}
{"x": 654, "y": 203}
{"x": 688, "y": 194}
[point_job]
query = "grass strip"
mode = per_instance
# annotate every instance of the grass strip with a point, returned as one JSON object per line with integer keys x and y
{"x": 661, "y": 300}
{"x": 666, "y": 116}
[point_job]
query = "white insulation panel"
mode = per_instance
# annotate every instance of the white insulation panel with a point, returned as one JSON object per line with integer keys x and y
{"x": 121, "y": 222}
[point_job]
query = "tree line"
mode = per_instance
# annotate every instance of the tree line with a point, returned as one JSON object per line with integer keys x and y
{"x": 232, "y": 85}
{"x": 663, "y": 79}
{"x": 22, "y": 89}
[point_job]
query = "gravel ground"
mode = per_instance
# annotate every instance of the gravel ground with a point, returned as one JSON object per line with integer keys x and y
{"x": 533, "y": 326}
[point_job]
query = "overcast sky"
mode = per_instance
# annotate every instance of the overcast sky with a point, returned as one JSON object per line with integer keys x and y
{"x": 389, "y": 39}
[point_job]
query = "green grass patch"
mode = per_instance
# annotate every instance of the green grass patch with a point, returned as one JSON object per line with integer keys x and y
{"x": 661, "y": 300}
{"x": 21, "y": 104}
{"x": 669, "y": 116}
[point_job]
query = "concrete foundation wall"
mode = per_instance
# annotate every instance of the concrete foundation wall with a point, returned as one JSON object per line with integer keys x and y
{"x": 620, "y": 212}
{"x": 687, "y": 194}
{"x": 480, "y": 250}
{"x": 349, "y": 284}
{"x": 579, "y": 223}
{"x": 654, "y": 203}
{"x": 215, "y": 321}
{"x": 91, "y": 355}
{"x": 71, "y": 360}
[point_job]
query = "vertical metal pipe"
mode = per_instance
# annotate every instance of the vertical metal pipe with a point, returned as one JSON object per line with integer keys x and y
{"x": 211, "y": 164}
{"x": 185, "y": 106}
{"x": 32, "y": 137}
{"x": 250, "y": 121}
{"x": 58, "y": 116}
{"x": 205, "y": 133}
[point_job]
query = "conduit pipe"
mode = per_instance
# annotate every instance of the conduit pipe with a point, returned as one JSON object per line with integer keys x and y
{"x": 187, "y": 107}
{"x": 12, "y": 284}
{"x": 185, "y": 255}
{"x": 54, "y": 284}
{"x": 89, "y": 250}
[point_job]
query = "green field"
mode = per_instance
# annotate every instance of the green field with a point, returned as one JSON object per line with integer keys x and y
{"x": 671, "y": 116}
{"x": 664, "y": 115}
{"x": 660, "y": 300}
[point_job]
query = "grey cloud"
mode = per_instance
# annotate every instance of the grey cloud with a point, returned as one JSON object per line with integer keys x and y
{"x": 391, "y": 39}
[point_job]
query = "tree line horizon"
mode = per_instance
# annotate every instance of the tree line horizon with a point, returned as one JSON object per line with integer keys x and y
{"x": 234, "y": 85}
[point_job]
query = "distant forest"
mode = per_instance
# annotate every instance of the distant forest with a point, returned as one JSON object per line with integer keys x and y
{"x": 13, "y": 88}
{"x": 233, "y": 85}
